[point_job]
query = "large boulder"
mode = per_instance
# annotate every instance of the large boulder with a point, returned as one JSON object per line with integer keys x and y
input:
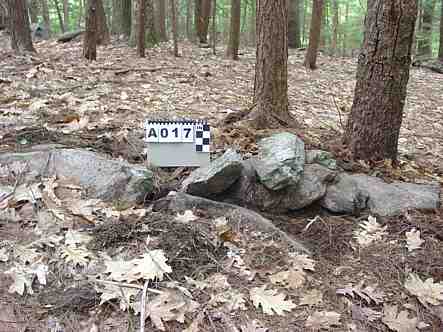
{"x": 280, "y": 160}
{"x": 357, "y": 192}
{"x": 102, "y": 177}
{"x": 248, "y": 191}
{"x": 216, "y": 177}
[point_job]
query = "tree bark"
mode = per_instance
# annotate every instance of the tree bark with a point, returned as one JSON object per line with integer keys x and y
{"x": 19, "y": 26}
{"x": 141, "y": 28}
{"x": 252, "y": 19}
{"x": 126, "y": 17}
{"x": 202, "y": 13}
{"x": 214, "y": 27}
{"x": 294, "y": 24}
{"x": 59, "y": 14}
{"x": 335, "y": 24}
{"x": 103, "y": 37}
{"x": 66, "y": 14}
{"x": 314, "y": 35}
{"x": 152, "y": 37}
{"x": 424, "y": 43}
{"x": 189, "y": 19}
{"x": 33, "y": 11}
{"x": 161, "y": 22}
{"x": 234, "y": 34}
{"x": 135, "y": 23}
{"x": 90, "y": 40}
{"x": 440, "y": 50}
{"x": 271, "y": 69}
{"x": 117, "y": 16}
{"x": 382, "y": 75}
{"x": 45, "y": 14}
{"x": 174, "y": 27}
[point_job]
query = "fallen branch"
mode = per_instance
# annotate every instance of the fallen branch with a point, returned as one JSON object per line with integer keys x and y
{"x": 123, "y": 284}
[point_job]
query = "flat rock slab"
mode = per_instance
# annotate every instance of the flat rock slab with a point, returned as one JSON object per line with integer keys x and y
{"x": 357, "y": 192}
{"x": 215, "y": 178}
{"x": 280, "y": 160}
{"x": 102, "y": 177}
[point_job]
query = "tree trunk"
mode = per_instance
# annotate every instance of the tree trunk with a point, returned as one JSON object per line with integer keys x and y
{"x": 19, "y": 26}
{"x": 271, "y": 69}
{"x": 90, "y": 39}
{"x": 45, "y": 14}
{"x": 103, "y": 37}
{"x": 161, "y": 22}
{"x": 252, "y": 19}
{"x": 234, "y": 34}
{"x": 345, "y": 35}
{"x": 117, "y": 16}
{"x": 66, "y": 14}
{"x": 214, "y": 27}
{"x": 81, "y": 10}
{"x": 126, "y": 17}
{"x": 59, "y": 14}
{"x": 33, "y": 11}
{"x": 294, "y": 24}
{"x": 382, "y": 75}
{"x": 202, "y": 13}
{"x": 135, "y": 23}
{"x": 174, "y": 27}
{"x": 424, "y": 45}
{"x": 314, "y": 35}
{"x": 335, "y": 23}
{"x": 141, "y": 28}
{"x": 152, "y": 37}
{"x": 440, "y": 50}
{"x": 189, "y": 19}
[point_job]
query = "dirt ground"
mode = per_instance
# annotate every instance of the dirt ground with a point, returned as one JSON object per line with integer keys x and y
{"x": 56, "y": 96}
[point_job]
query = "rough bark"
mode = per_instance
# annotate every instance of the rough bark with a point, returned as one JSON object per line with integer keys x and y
{"x": 141, "y": 28}
{"x": 135, "y": 23}
{"x": 202, "y": 13}
{"x": 103, "y": 37}
{"x": 382, "y": 75}
{"x": 424, "y": 43}
{"x": 19, "y": 26}
{"x": 59, "y": 15}
{"x": 90, "y": 40}
{"x": 314, "y": 35}
{"x": 189, "y": 19}
{"x": 66, "y": 14}
{"x": 174, "y": 26}
{"x": 161, "y": 22}
{"x": 45, "y": 14}
{"x": 126, "y": 17}
{"x": 294, "y": 24}
{"x": 214, "y": 27}
{"x": 440, "y": 50}
{"x": 335, "y": 23}
{"x": 151, "y": 37}
{"x": 271, "y": 69}
{"x": 234, "y": 32}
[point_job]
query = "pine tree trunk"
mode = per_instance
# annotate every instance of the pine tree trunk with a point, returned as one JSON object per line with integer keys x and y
{"x": 103, "y": 37}
{"x": 66, "y": 14}
{"x": 59, "y": 14}
{"x": 141, "y": 28}
{"x": 135, "y": 23}
{"x": 335, "y": 23}
{"x": 152, "y": 37}
{"x": 90, "y": 39}
{"x": 424, "y": 45}
{"x": 271, "y": 69}
{"x": 161, "y": 5}
{"x": 202, "y": 13}
{"x": 440, "y": 50}
{"x": 33, "y": 11}
{"x": 294, "y": 24}
{"x": 214, "y": 27}
{"x": 45, "y": 14}
{"x": 126, "y": 17}
{"x": 19, "y": 26}
{"x": 174, "y": 27}
{"x": 314, "y": 35}
{"x": 234, "y": 34}
{"x": 189, "y": 19}
{"x": 382, "y": 75}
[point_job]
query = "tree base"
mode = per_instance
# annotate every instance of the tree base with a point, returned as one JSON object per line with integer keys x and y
{"x": 267, "y": 120}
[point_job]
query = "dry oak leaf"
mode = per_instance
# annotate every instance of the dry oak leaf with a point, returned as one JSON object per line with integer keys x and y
{"x": 413, "y": 240}
{"x": 368, "y": 293}
{"x": 364, "y": 314}
{"x": 293, "y": 278}
{"x": 152, "y": 266}
{"x": 323, "y": 320}
{"x": 312, "y": 297}
{"x": 23, "y": 277}
{"x": 398, "y": 321}
{"x": 302, "y": 262}
{"x": 186, "y": 217}
{"x": 426, "y": 291}
{"x": 371, "y": 231}
{"x": 124, "y": 295}
{"x": 76, "y": 255}
{"x": 168, "y": 306}
{"x": 270, "y": 301}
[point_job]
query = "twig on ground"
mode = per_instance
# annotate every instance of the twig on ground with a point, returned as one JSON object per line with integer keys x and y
{"x": 123, "y": 284}
{"x": 143, "y": 306}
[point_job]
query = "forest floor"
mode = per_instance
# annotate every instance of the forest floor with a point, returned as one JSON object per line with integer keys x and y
{"x": 55, "y": 96}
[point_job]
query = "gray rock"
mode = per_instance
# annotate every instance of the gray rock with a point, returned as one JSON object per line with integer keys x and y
{"x": 215, "y": 178}
{"x": 248, "y": 191}
{"x": 360, "y": 191}
{"x": 321, "y": 157}
{"x": 280, "y": 160}
{"x": 102, "y": 177}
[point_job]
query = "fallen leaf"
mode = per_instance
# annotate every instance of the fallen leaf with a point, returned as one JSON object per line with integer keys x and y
{"x": 312, "y": 297}
{"x": 270, "y": 301}
{"x": 413, "y": 240}
{"x": 370, "y": 232}
{"x": 73, "y": 238}
{"x": 368, "y": 293}
{"x": 124, "y": 295}
{"x": 427, "y": 291}
{"x": 364, "y": 314}
{"x": 76, "y": 255}
{"x": 302, "y": 262}
{"x": 186, "y": 217}
{"x": 398, "y": 321}
{"x": 4, "y": 254}
{"x": 292, "y": 278}
{"x": 323, "y": 320}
